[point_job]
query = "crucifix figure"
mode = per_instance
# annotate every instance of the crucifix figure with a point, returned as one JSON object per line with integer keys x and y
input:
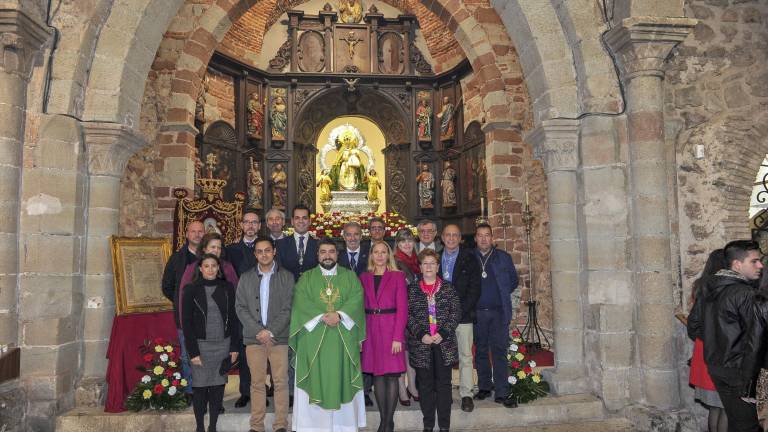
{"x": 211, "y": 160}
{"x": 351, "y": 41}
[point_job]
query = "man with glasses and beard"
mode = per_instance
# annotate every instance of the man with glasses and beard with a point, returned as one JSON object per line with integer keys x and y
{"x": 327, "y": 328}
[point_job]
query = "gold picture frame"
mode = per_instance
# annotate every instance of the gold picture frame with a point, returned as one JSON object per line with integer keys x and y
{"x": 138, "y": 264}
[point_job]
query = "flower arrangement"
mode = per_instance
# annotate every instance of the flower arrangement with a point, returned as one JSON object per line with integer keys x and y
{"x": 331, "y": 224}
{"x": 525, "y": 384}
{"x": 162, "y": 386}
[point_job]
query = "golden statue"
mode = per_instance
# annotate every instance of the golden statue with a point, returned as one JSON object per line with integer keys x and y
{"x": 324, "y": 186}
{"x": 373, "y": 186}
{"x": 348, "y": 172}
{"x": 350, "y": 11}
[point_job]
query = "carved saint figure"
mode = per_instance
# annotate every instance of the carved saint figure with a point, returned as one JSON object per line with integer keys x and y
{"x": 324, "y": 186}
{"x": 200, "y": 101}
{"x": 350, "y": 11}
{"x": 446, "y": 119}
{"x": 255, "y": 116}
{"x": 448, "y": 184}
{"x": 278, "y": 116}
{"x": 373, "y": 186}
{"x": 482, "y": 178}
{"x": 255, "y": 186}
{"x": 426, "y": 182}
{"x": 424, "y": 118}
{"x": 348, "y": 172}
{"x": 279, "y": 182}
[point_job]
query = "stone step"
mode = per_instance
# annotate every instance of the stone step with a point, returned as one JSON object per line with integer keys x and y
{"x": 616, "y": 425}
{"x": 487, "y": 416}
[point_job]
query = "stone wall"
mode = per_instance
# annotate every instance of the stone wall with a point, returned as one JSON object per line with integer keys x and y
{"x": 219, "y": 98}
{"x": 716, "y": 98}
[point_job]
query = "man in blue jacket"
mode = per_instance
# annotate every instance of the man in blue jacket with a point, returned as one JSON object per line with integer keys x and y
{"x": 494, "y": 313}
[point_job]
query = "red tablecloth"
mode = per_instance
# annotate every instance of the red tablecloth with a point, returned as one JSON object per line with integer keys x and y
{"x": 128, "y": 334}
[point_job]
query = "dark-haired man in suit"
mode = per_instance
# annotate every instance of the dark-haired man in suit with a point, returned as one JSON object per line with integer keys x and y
{"x": 298, "y": 252}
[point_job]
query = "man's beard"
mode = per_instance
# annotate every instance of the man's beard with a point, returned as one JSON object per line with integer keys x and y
{"x": 328, "y": 264}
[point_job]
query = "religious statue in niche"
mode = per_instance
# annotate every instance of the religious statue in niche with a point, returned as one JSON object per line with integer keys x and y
{"x": 373, "y": 186}
{"x": 255, "y": 115}
{"x": 424, "y": 116}
{"x": 255, "y": 186}
{"x": 446, "y": 119}
{"x": 279, "y": 183}
{"x": 482, "y": 177}
{"x": 350, "y": 11}
{"x": 348, "y": 172}
{"x": 426, "y": 182}
{"x": 448, "y": 184}
{"x": 200, "y": 101}
{"x": 278, "y": 115}
{"x": 324, "y": 186}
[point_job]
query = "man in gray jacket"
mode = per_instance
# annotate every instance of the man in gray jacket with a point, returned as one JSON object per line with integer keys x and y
{"x": 264, "y": 298}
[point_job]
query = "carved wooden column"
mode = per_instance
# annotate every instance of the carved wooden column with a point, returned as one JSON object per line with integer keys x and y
{"x": 556, "y": 143}
{"x": 641, "y": 45}
{"x": 20, "y": 39}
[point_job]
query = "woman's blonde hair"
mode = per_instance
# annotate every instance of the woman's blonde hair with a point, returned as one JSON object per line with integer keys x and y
{"x": 391, "y": 264}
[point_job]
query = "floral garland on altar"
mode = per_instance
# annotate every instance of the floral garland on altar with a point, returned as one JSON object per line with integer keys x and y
{"x": 162, "y": 386}
{"x": 525, "y": 384}
{"x": 331, "y": 224}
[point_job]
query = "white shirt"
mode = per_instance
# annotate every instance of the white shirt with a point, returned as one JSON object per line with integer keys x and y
{"x": 357, "y": 256}
{"x": 264, "y": 293}
{"x": 427, "y": 246}
{"x": 345, "y": 319}
{"x": 296, "y": 240}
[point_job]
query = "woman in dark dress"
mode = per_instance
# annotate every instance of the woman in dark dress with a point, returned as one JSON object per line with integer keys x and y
{"x": 434, "y": 312}
{"x": 211, "y": 335}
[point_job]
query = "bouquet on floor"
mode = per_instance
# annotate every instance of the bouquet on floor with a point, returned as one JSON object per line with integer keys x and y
{"x": 161, "y": 387}
{"x": 525, "y": 384}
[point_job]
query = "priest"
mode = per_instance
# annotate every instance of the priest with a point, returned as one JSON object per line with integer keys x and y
{"x": 327, "y": 330}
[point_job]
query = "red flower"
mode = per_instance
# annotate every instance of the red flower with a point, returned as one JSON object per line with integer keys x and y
{"x": 515, "y": 333}
{"x": 158, "y": 388}
{"x": 159, "y": 341}
{"x": 147, "y": 358}
{"x": 168, "y": 373}
{"x": 515, "y": 364}
{"x": 175, "y": 382}
{"x": 527, "y": 369}
{"x": 172, "y": 355}
{"x": 522, "y": 349}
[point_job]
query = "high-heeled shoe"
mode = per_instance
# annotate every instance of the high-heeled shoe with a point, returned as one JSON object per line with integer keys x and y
{"x": 406, "y": 402}
{"x": 410, "y": 395}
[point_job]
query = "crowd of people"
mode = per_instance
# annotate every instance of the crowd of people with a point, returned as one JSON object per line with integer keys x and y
{"x": 729, "y": 326}
{"x": 330, "y": 324}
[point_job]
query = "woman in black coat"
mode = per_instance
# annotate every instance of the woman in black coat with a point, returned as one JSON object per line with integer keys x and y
{"x": 211, "y": 335}
{"x": 434, "y": 312}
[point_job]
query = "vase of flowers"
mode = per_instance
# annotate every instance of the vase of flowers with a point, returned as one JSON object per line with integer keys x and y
{"x": 525, "y": 383}
{"x": 161, "y": 387}
{"x": 331, "y": 224}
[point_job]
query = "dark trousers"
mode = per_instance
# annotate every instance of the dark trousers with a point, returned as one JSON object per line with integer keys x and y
{"x": 491, "y": 341}
{"x": 435, "y": 391}
{"x": 742, "y": 416}
{"x": 207, "y": 399}
{"x": 245, "y": 373}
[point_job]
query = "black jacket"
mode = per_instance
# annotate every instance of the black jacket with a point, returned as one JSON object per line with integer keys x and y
{"x": 361, "y": 259}
{"x": 466, "y": 281}
{"x": 195, "y": 308}
{"x": 726, "y": 317}
{"x": 448, "y": 311}
{"x": 174, "y": 270}
{"x": 288, "y": 256}
{"x": 241, "y": 256}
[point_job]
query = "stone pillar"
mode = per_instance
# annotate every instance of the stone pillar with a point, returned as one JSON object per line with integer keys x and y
{"x": 556, "y": 143}
{"x": 641, "y": 45}
{"x": 108, "y": 146}
{"x": 20, "y": 39}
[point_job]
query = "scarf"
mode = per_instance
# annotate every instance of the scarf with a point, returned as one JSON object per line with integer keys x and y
{"x": 732, "y": 274}
{"x": 430, "y": 291}
{"x": 411, "y": 261}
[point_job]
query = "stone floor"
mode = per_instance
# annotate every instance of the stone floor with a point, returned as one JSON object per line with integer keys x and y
{"x": 619, "y": 425}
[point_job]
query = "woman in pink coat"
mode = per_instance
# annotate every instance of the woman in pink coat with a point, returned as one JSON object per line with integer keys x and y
{"x": 386, "y": 314}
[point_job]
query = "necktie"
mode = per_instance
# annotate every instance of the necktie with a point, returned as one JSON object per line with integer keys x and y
{"x": 301, "y": 250}
{"x": 352, "y": 260}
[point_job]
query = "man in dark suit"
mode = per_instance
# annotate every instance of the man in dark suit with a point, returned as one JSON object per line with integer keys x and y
{"x": 498, "y": 278}
{"x": 427, "y": 230}
{"x": 354, "y": 255}
{"x": 174, "y": 270}
{"x": 241, "y": 256}
{"x": 460, "y": 267}
{"x": 298, "y": 252}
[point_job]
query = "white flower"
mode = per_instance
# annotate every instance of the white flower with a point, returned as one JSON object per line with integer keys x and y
{"x": 513, "y": 347}
{"x": 532, "y": 364}
{"x": 177, "y": 375}
{"x": 164, "y": 357}
{"x": 171, "y": 390}
{"x": 145, "y": 379}
{"x": 512, "y": 380}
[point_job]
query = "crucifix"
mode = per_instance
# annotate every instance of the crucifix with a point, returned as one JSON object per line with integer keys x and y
{"x": 351, "y": 41}
{"x": 211, "y": 160}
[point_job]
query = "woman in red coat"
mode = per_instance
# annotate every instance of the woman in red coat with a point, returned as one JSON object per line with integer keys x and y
{"x": 386, "y": 314}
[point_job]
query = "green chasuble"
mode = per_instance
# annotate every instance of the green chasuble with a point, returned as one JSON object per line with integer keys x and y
{"x": 327, "y": 359}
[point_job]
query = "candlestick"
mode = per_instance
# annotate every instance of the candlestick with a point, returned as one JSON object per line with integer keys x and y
{"x": 526, "y": 199}
{"x": 482, "y": 206}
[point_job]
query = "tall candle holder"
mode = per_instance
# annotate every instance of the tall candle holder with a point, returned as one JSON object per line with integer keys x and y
{"x": 532, "y": 332}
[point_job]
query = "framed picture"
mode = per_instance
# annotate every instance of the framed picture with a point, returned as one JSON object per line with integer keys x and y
{"x": 138, "y": 265}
